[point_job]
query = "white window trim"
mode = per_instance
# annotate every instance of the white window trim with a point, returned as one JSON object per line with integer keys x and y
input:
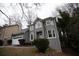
{"x": 52, "y": 35}
{"x": 30, "y": 37}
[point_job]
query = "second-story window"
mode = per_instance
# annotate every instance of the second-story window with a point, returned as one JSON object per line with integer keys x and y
{"x": 49, "y": 22}
{"x": 31, "y": 36}
{"x": 49, "y": 33}
{"x": 53, "y": 33}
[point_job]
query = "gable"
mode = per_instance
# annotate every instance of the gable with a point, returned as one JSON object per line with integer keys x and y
{"x": 38, "y": 24}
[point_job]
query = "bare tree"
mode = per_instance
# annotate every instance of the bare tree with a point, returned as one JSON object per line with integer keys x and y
{"x": 71, "y": 8}
{"x": 28, "y": 16}
{"x": 30, "y": 13}
{"x": 6, "y": 16}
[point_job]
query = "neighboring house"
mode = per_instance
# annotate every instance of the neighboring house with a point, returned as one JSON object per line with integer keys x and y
{"x": 6, "y": 32}
{"x": 16, "y": 37}
{"x": 45, "y": 28}
{"x": 24, "y": 34}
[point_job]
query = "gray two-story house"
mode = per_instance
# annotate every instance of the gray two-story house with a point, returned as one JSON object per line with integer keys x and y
{"x": 41, "y": 28}
{"x": 45, "y": 28}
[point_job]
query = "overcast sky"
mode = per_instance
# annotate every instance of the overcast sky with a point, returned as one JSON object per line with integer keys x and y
{"x": 46, "y": 10}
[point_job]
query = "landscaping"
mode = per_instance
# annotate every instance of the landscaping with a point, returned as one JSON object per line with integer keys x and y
{"x": 41, "y": 44}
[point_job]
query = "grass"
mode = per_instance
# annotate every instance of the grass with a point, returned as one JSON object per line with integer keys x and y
{"x": 28, "y": 51}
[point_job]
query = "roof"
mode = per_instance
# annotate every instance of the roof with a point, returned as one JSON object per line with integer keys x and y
{"x": 5, "y": 26}
{"x": 35, "y": 21}
{"x": 39, "y": 19}
{"x": 49, "y": 18}
{"x": 21, "y": 32}
{"x": 17, "y": 34}
{"x": 24, "y": 30}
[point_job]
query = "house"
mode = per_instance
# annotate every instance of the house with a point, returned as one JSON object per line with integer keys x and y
{"x": 41, "y": 28}
{"x": 7, "y": 30}
{"x": 45, "y": 28}
{"x": 24, "y": 34}
{"x": 16, "y": 37}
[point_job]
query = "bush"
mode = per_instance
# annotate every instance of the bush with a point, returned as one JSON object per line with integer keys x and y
{"x": 1, "y": 42}
{"x": 74, "y": 44}
{"x": 22, "y": 42}
{"x": 41, "y": 44}
{"x": 28, "y": 44}
{"x": 9, "y": 42}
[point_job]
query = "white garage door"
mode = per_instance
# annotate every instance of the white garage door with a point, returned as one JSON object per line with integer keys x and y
{"x": 15, "y": 42}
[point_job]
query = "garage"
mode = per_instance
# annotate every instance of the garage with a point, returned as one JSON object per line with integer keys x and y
{"x": 15, "y": 42}
{"x": 16, "y": 38}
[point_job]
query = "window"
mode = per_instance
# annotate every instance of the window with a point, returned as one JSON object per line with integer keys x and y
{"x": 31, "y": 36}
{"x": 53, "y": 33}
{"x": 49, "y": 22}
{"x": 49, "y": 33}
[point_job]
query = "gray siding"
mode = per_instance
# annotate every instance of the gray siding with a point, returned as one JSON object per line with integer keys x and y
{"x": 26, "y": 36}
{"x": 54, "y": 42}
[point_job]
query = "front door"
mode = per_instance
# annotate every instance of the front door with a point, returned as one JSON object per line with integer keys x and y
{"x": 39, "y": 34}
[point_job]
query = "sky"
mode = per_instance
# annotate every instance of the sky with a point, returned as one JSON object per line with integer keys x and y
{"x": 46, "y": 10}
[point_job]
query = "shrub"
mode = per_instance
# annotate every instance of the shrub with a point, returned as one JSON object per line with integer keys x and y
{"x": 22, "y": 42}
{"x": 28, "y": 44}
{"x": 9, "y": 42}
{"x": 1, "y": 42}
{"x": 41, "y": 44}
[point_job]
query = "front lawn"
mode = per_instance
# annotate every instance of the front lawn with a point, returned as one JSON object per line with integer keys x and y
{"x": 27, "y": 51}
